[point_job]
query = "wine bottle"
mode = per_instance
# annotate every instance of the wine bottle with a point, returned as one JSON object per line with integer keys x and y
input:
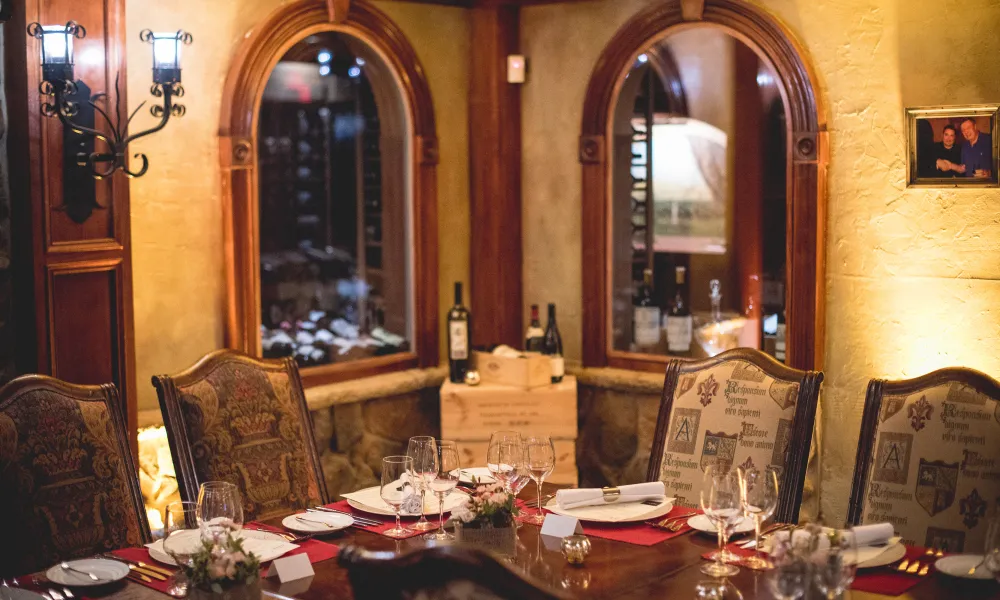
{"x": 458, "y": 338}
{"x": 553, "y": 346}
{"x": 679, "y": 321}
{"x": 534, "y": 337}
{"x": 645, "y": 314}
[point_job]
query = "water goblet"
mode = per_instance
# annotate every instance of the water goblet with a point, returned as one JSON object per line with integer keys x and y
{"x": 421, "y": 449}
{"x": 220, "y": 510}
{"x": 834, "y": 569}
{"x": 444, "y": 481}
{"x": 396, "y": 488}
{"x": 759, "y": 498}
{"x": 720, "y": 501}
{"x": 540, "y": 459}
{"x": 790, "y": 578}
{"x": 181, "y": 540}
{"x": 493, "y": 461}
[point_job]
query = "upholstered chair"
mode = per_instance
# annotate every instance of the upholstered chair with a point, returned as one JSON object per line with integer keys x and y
{"x": 929, "y": 458}
{"x": 438, "y": 573}
{"x": 68, "y": 483}
{"x": 740, "y": 408}
{"x": 234, "y": 418}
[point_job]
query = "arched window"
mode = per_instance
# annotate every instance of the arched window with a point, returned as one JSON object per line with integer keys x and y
{"x": 329, "y": 146}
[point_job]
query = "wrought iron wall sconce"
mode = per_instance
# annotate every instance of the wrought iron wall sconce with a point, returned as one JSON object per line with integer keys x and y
{"x": 60, "y": 91}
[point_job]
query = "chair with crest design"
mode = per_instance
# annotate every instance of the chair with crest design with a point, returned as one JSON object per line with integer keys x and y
{"x": 68, "y": 483}
{"x": 929, "y": 458}
{"x": 740, "y": 408}
{"x": 235, "y": 418}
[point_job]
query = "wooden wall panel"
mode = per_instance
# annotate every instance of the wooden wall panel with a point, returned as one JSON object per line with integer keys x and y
{"x": 83, "y": 335}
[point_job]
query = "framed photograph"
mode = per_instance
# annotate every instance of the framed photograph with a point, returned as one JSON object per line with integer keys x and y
{"x": 952, "y": 146}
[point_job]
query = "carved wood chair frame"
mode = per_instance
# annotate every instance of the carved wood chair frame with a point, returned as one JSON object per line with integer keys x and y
{"x": 797, "y": 452}
{"x": 807, "y": 159}
{"x": 877, "y": 390}
{"x": 177, "y": 432}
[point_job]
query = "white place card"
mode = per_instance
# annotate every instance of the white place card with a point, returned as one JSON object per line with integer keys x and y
{"x": 295, "y": 588}
{"x": 291, "y": 568}
{"x": 561, "y": 526}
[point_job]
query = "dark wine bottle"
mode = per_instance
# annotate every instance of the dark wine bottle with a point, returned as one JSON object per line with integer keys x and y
{"x": 458, "y": 338}
{"x": 553, "y": 346}
{"x": 534, "y": 337}
{"x": 679, "y": 321}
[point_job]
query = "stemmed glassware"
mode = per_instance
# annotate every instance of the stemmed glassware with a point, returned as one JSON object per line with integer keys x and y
{"x": 181, "y": 539}
{"x": 834, "y": 570}
{"x": 540, "y": 460}
{"x": 759, "y": 498}
{"x": 494, "y": 463}
{"x": 991, "y": 555}
{"x": 720, "y": 500}
{"x": 421, "y": 449}
{"x": 396, "y": 488}
{"x": 790, "y": 578}
{"x": 444, "y": 481}
{"x": 220, "y": 510}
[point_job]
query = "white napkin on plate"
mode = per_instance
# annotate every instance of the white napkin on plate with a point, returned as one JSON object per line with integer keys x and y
{"x": 373, "y": 497}
{"x": 637, "y": 492}
{"x": 264, "y": 549}
{"x": 869, "y": 535}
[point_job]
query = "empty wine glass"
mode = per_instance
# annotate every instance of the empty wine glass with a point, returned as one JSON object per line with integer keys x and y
{"x": 759, "y": 498}
{"x": 444, "y": 481}
{"x": 397, "y": 488}
{"x": 540, "y": 460}
{"x": 518, "y": 478}
{"x": 220, "y": 510}
{"x": 493, "y": 462}
{"x": 720, "y": 500}
{"x": 790, "y": 577}
{"x": 834, "y": 569}
{"x": 181, "y": 540}
{"x": 421, "y": 450}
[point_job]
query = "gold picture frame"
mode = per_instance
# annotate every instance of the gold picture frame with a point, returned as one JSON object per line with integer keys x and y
{"x": 931, "y": 163}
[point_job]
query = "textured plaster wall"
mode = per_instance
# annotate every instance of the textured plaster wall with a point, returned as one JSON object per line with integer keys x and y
{"x": 178, "y": 269}
{"x": 913, "y": 276}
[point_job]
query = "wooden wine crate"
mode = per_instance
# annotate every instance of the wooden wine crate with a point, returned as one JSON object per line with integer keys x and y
{"x": 473, "y": 413}
{"x": 473, "y": 454}
{"x": 529, "y": 371}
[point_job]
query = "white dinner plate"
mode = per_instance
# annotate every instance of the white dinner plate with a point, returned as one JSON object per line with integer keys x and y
{"x": 603, "y": 513}
{"x": 455, "y": 498}
{"x": 333, "y": 522}
{"x": 16, "y": 593}
{"x": 959, "y": 565}
{"x": 107, "y": 571}
{"x": 888, "y": 556}
{"x": 481, "y": 473}
{"x": 193, "y": 537}
{"x": 703, "y": 524}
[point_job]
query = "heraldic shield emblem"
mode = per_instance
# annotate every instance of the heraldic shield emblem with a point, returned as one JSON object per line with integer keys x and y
{"x": 936, "y": 484}
{"x": 719, "y": 449}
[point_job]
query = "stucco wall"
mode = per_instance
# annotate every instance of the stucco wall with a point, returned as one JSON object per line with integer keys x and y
{"x": 178, "y": 270}
{"x": 912, "y": 275}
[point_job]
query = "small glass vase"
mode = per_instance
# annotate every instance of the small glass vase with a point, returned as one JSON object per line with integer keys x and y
{"x": 242, "y": 591}
{"x": 499, "y": 540}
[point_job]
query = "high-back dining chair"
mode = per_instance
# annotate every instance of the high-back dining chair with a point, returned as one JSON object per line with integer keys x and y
{"x": 68, "y": 483}
{"x": 244, "y": 420}
{"x": 929, "y": 458}
{"x": 437, "y": 573}
{"x": 740, "y": 408}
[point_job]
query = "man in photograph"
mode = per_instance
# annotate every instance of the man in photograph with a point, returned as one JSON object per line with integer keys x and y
{"x": 977, "y": 151}
{"x": 947, "y": 154}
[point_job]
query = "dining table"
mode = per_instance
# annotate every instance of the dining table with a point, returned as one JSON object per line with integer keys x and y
{"x": 612, "y": 569}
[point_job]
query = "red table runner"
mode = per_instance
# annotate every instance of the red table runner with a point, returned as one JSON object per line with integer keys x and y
{"x": 386, "y": 523}
{"x": 640, "y": 534}
{"x": 889, "y": 580}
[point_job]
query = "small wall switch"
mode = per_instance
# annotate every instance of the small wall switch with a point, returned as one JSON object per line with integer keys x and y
{"x": 516, "y": 66}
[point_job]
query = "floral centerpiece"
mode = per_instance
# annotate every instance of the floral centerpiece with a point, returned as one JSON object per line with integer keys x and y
{"x": 223, "y": 571}
{"x": 487, "y": 519}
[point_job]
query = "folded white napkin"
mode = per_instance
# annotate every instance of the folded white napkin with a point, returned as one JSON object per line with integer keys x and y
{"x": 868, "y": 535}
{"x": 264, "y": 549}
{"x": 637, "y": 492}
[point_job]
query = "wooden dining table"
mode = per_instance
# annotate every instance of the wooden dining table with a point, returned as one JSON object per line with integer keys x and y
{"x": 613, "y": 569}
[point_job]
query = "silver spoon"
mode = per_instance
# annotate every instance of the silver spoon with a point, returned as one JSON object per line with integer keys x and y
{"x": 327, "y": 525}
{"x": 67, "y": 567}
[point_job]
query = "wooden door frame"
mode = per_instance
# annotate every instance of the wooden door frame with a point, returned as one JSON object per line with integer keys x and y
{"x": 807, "y": 158}
{"x": 252, "y": 64}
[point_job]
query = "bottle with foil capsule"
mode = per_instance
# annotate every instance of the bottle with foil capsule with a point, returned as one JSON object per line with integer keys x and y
{"x": 645, "y": 315}
{"x": 534, "y": 337}
{"x": 679, "y": 321}
{"x": 553, "y": 346}
{"x": 459, "y": 319}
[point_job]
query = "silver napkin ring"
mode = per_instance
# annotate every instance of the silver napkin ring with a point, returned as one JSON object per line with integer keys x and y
{"x": 611, "y": 494}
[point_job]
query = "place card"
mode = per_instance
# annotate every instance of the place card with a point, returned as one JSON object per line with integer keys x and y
{"x": 291, "y": 568}
{"x": 561, "y": 526}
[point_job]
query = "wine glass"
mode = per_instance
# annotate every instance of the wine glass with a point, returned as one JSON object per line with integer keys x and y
{"x": 220, "y": 510}
{"x": 720, "y": 500}
{"x": 834, "y": 569}
{"x": 444, "y": 481}
{"x": 421, "y": 450}
{"x": 493, "y": 462}
{"x": 396, "y": 488}
{"x": 790, "y": 577}
{"x": 181, "y": 540}
{"x": 759, "y": 498}
{"x": 540, "y": 459}
{"x": 991, "y": 555}
{"x": 518, "y": 477}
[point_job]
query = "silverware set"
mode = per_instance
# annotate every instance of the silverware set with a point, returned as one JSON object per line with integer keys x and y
{"x": 674, "y": 523}
{"x": 358, "y": 521}
{"x": 49, "y": 590}
{"x": 765, "y": 534}
{"x": 921, "y": 566}
{"x": 534, "y": 503}
{"x": 141, "y": 571}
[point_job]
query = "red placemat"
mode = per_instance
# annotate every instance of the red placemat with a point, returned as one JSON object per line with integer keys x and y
{"x": 387, "y": 523}
{"x": 640, "y": 534}
{"x": 890, "y": 581}
{"x": 142, "y": 555}
{"x": 316, "y": 550}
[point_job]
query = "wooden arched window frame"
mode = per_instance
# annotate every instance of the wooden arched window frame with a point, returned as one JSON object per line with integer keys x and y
{"x": 253, "y": 62}
{"x": 807, "y": 164}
